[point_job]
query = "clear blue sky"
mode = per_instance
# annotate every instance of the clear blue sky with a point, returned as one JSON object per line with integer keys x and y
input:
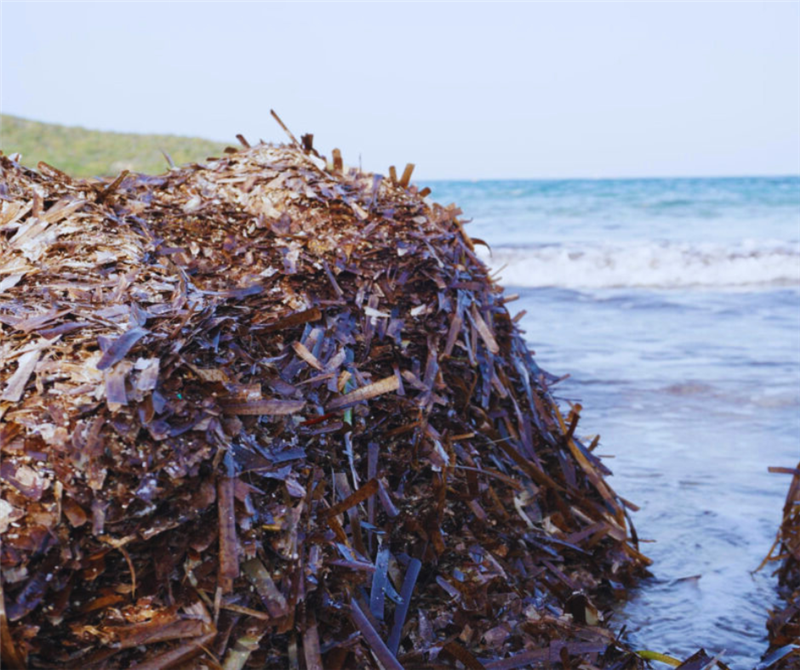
{"x": 463, "y": 90}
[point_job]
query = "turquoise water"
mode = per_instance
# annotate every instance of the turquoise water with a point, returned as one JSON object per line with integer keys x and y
{"x": 675, "y": 307}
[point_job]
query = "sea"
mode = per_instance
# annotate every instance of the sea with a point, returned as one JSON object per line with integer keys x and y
{"x": 674, "y": 307}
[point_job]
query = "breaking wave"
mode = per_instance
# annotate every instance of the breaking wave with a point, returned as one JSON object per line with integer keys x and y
{"x": 647, "y": 264}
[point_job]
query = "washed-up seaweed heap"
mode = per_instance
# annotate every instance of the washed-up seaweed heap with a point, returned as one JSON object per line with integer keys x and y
{"x": 272, "y": 412}
{"x": 783, "y": 625}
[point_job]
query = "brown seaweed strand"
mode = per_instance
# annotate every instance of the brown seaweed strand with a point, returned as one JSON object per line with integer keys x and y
{"x": 381, "y": 651}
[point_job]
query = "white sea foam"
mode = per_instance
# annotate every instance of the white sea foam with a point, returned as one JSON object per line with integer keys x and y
{"x": 648, "y": 264}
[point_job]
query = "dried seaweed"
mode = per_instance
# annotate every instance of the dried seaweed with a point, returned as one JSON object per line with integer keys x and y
{"x": 271, "y": 407}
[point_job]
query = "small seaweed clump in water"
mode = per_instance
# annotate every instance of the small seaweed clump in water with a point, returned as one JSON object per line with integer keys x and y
{"x": 783, "y": 625}
{"x": 272, "y": 412}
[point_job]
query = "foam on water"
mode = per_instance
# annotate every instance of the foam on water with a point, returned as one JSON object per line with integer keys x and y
{"x": 647, "y": 264}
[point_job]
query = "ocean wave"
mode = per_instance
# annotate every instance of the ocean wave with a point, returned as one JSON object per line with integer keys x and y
{"x": 647, "y": 264}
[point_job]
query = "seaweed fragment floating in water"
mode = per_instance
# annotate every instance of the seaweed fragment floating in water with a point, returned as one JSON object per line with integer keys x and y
{"x": 783, "y": 625}
{"x": 270, "y": 407}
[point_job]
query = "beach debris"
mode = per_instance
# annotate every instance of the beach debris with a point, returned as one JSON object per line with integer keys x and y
{"x": 783, "y": 625}
{"x": 272, "y": 410}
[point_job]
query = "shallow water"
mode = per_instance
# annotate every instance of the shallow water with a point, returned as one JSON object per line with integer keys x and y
{"x": 686, "y": 359}
{"x": 694, "y": 409}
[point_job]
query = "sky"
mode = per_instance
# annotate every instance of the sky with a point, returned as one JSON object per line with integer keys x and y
{"x": 464, "y": 91}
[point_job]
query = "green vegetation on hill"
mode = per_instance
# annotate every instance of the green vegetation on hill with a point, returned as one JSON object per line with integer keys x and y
{"x": 89, "y": 153}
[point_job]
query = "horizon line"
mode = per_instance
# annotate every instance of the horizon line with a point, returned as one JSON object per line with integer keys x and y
{"x": 687, "y": 177}
{"x": 775, "y": 175}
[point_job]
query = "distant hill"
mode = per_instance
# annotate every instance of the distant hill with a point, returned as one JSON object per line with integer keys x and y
{"x": 88, "y": 153}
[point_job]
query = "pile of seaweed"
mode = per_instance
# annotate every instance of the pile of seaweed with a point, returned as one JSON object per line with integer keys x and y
{"x": 783, "y": 625}
{"x": 273, "y": 412}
